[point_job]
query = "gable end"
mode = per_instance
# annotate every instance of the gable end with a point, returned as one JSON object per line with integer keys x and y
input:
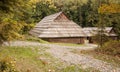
{"x": 62, "y": 17}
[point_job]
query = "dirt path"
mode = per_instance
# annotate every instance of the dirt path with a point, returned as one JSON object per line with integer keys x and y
{"x": 85, "y": 61}
{"x": 64, "y": 53}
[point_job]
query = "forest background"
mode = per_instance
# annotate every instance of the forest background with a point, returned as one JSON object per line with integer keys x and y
{"x": 17, "y": 17}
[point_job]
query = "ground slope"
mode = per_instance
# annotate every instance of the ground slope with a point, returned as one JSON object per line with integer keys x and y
{"x": 64, "y": 54}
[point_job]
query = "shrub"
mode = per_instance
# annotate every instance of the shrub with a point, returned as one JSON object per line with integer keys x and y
{"x": 9, "y": 29}
{"x": 110, "y": 48}
{"x": 100, "y": 39}
{"x": 8, "y": 65}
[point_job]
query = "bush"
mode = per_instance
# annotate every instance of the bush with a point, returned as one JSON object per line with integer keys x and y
{"x": 110, "y": 48}
{"x": 100, "y": 39}
{"x": 7, "y": 65}
{"x": 9, "y": 29}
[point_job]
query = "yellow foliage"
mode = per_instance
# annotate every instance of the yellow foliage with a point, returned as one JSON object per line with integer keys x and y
{"x": 34, "y": 1}
{"x": 46, "y": 2}
{"x": 9, "y": 29}
{"x": 8, "y": 64}
{"x": 109, "y": 8}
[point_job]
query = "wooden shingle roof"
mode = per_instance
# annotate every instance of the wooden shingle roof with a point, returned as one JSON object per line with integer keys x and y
{"x": 55, "y": 26}
{"x": 91, "y": 31}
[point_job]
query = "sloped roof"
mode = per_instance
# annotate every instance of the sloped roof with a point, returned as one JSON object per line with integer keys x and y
{"x": 91, "y": 31}
{"x": 49, "y": 18}
{"x": 49, "y": 27}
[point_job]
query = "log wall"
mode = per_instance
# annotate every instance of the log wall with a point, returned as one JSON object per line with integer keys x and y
{"x": 66, "y": 40}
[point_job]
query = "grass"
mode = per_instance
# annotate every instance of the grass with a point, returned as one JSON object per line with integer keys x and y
{"x": 77, "y": 68}
{"x": 34, "y": 39}
{"x": 114, "y": 60}
{"x": 68, "y": 44}
{"x": 26, "y": 57}
{"x": 35, "y": 59}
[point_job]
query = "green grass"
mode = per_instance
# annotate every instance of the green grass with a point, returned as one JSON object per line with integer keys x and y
{"x": 114, "y": 60}
{"x": 34, "y": 39}
{"x": 27, "y": 58}
{"x": 68, "y": 44}
{"x": 77, "y": 68}
{"x": 36, "y": 59}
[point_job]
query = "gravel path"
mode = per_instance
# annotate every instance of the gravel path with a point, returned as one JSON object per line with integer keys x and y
{"x": 63, "y": 53}
{"x": 85, "y": 61}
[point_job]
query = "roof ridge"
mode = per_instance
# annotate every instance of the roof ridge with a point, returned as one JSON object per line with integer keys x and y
{"x": 57, "y": 14}
{"x": 51, "y": 17}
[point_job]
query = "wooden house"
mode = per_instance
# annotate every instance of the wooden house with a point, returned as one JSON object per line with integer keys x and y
{"x": 92, "y": 31}
{"x": 58, "y": 28}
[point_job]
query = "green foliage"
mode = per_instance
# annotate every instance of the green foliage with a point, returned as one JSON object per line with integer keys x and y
{"x": 110, "y": 11}
{"x": 100, "y": 39}
{"x": 77, "y": 68}
{"x": 16, "y": 18}
{"x": 8, "y": 65}
{"x": 35, "y": 39}
{"x": 27, "y": 28}
{"x": 68, "y": 44}
{"x": 110, "y": 48}
{"x": 25, "y": 13}
{"x": 44, "y": 8}
{"x": 101, "y": 36}
{"x": 9, "y": 29}
{"x": 89, "y": 14}
{"x": 71, "y": 8}
{"x": 26, "y": 58}
{"x": 114, "y": 21}
{"x": 72, "y": 68}
{"x": 83, "y": 12}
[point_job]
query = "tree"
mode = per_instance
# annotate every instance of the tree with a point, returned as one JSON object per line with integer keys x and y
{"x": 11, "y": 19}
{"x": 106, "y": 11}
{"x": 72, "y": 8}
{"x": 109, "y": 8}
{"x": 44, "y": 8}
{"x": 88, "y": 14}
{"x": 101, "y": 36}
{"x": 9, "y": 30}
{"x": 112, "y": 11}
